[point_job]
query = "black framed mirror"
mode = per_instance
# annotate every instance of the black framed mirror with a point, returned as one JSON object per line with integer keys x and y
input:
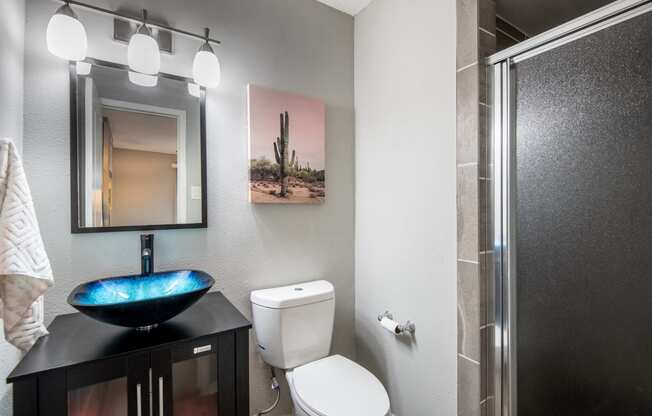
{"x": 137, "y": 150}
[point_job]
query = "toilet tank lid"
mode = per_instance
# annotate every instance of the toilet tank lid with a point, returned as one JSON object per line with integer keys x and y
{"x": 294, "y": 295}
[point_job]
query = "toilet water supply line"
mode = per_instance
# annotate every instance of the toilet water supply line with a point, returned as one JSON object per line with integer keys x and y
{"x": 276, "y": 388}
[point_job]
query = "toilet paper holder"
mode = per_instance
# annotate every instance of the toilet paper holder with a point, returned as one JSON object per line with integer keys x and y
{"x": 408, "y": 328}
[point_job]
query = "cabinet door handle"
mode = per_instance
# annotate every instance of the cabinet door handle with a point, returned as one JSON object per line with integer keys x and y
{"x": 160, "y": 396}
{"x": 139, "y": 405}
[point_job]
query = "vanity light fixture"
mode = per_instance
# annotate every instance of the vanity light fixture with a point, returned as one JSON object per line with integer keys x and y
{"x": 206, "y": 67}
{"x": 144, "y": 80}
{"x": 143, "y": 54}
{"x": 66, "y": 38}
{"x": 83, "y": 68}
{"x": 66, "y": 35}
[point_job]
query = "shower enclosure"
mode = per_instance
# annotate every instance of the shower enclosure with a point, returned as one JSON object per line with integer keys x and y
{"x": 571, "y": 158}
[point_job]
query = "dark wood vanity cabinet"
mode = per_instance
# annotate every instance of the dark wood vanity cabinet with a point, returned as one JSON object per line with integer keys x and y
{"x": 197, "y": 364}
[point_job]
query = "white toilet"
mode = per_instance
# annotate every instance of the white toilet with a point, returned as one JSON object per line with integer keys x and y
{"x": 294, "y": 326}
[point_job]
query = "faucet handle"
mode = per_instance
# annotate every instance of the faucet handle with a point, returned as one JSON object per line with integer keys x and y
{"x": 147, "y": 240}
{"x": 147, "y": 253}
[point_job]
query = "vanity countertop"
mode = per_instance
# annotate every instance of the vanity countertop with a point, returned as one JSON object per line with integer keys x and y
{"x": 77, "y": 339}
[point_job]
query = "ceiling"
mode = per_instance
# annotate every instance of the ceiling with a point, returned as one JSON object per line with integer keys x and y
{"x": 351, "y": 7}
{"x": 141, "y": 131}
{"x": 537, "y": 16}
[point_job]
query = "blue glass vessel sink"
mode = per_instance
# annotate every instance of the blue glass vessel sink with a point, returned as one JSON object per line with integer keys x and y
{"x": 140, "y": 301}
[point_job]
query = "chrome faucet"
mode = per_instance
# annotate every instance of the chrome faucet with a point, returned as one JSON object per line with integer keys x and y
{"x": 146, "y": 254}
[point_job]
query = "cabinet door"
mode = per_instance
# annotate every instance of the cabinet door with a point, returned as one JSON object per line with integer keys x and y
{"x": 118, "y": 387}
{"x": 188, "y": 379}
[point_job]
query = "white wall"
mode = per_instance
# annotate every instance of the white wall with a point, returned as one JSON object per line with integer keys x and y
{"x": 12, "y": 37}
{"x": 295, "y": 45}
{"x": 405, "y": 199}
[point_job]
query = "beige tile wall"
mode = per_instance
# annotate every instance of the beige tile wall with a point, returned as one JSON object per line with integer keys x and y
{"x": 476, "y": 34}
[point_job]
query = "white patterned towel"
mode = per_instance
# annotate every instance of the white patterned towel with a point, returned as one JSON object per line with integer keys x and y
{"x": 25, "y": 272}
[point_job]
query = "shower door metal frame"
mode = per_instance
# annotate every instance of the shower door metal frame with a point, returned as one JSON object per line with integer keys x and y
{"x": 500, "y": 66}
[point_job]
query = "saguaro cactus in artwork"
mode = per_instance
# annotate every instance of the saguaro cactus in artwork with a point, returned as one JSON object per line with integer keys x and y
{"x": 281, "y": 153}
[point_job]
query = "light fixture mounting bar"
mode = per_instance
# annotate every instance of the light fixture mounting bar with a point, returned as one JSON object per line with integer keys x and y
{"x": 138, "y": 19}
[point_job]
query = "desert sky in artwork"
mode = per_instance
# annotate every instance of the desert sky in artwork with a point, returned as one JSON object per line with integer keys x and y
{"x": 306, "y": 137}
{"x": 307, "y": 121}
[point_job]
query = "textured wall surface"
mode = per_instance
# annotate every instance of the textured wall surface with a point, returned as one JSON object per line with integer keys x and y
{"x": 295, "y": 45}
{"x": 12, "y": 30}
{"x": 12, "y": 35}
{"x": 405, "y": 199}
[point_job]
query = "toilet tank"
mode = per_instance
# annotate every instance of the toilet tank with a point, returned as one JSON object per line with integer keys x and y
{"x": 294, "y": 324}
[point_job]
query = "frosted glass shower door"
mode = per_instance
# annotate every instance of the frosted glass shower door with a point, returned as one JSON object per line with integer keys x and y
{"x": 580, "y": 202}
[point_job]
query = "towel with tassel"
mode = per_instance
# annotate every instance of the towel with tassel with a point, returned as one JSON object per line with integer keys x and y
{"x": 25, "y": 272}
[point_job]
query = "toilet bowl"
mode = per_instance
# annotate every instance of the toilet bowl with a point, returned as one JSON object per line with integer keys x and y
{"x": 336, "y": 386}
{"x": 294, "y": 326}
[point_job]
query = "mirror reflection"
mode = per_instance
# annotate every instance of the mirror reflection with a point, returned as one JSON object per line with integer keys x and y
{"x": 139, "y": 149}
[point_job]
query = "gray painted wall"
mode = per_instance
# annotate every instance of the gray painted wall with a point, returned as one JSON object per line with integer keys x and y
{"x": 295, "y": 45}
{"x": 12, "y": 40}
{"x": 405, "y": 199}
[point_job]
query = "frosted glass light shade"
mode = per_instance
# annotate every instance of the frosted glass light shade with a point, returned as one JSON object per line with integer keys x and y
{"x": 143, "y": 80}
{"x": 66, "y": 36}
{"x": 206, "y": 69}
{"x": 143, "y": 54}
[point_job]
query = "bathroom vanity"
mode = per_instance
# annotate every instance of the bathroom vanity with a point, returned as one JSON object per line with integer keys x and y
{"x": 195, "y": 364}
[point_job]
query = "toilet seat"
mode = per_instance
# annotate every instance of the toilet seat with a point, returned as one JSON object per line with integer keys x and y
{"x": 337, "y": 386}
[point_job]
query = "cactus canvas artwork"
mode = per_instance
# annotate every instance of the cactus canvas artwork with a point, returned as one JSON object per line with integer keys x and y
{"x": 287, "y": 146}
